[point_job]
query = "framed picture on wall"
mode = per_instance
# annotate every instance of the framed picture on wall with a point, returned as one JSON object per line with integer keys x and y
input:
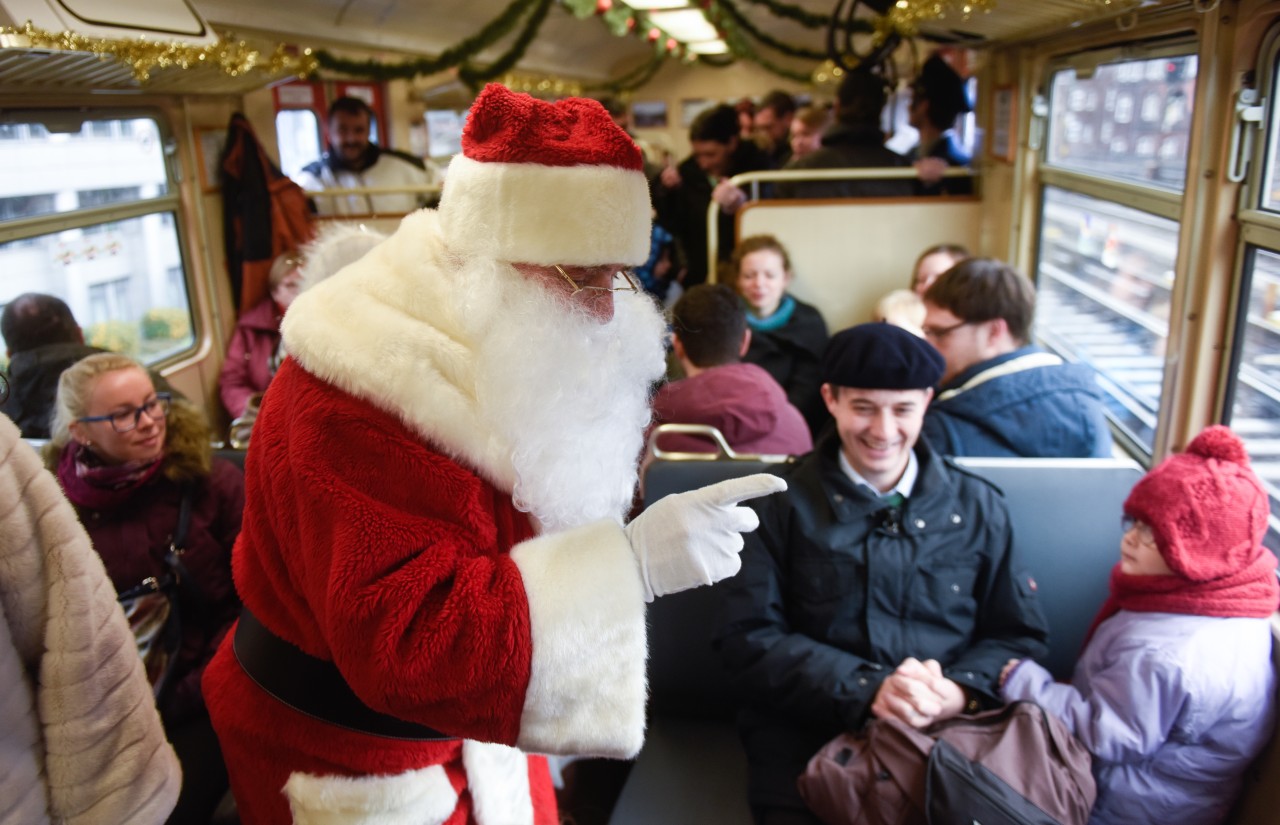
{"x": 1004, "y": 124}
{"x": 649, "y": 114}
{"x": 691, "y": 108}
{"x": 209, "y": 144}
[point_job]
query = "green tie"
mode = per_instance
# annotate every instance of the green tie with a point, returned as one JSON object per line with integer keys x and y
{"x": 894, "y": 499}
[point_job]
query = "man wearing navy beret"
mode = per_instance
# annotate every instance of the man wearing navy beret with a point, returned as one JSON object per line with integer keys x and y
{"x": 881, "y": 583}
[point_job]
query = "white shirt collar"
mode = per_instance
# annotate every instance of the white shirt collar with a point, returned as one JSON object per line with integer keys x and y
{"x": 904, "y": 485}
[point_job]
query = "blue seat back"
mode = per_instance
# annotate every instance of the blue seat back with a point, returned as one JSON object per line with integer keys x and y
{"x": 1066, "y": 526}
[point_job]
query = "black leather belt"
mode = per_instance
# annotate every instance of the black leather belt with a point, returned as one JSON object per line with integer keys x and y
{"x": 313, "y": 686}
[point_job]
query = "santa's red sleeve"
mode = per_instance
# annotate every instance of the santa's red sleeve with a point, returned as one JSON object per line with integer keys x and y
{"x": 427, "y": 589}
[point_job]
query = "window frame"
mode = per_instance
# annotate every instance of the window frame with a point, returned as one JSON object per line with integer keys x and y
{"x": 1259, "y": 231}
{"x": 168, "y": 202}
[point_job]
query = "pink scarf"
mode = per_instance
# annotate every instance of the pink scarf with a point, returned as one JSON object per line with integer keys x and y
{"x": 89, "y": 482}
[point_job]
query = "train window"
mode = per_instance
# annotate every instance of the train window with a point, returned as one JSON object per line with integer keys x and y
{"x": 1255, "y": 408}
{"x": 298, "y": 136}
{"x": 1105, "y": 277}
{"x": 1144, "y": 123}
{"x": 1252, "y": 398}
{"x": 88, "y": 212}
{"x": 1113, "y": 177}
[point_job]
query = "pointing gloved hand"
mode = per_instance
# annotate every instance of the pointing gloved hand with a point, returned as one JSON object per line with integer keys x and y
{"x": 690, "y": 539}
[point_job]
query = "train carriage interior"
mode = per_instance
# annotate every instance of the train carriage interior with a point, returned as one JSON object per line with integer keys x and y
{"x": 1125, "y": 157}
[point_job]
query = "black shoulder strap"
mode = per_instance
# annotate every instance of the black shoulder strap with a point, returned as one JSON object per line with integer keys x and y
{"x": 184, "y": 522}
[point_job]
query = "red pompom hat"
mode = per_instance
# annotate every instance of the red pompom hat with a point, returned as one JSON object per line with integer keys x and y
{"x": 1206, "y": 508}
{"x": 546, "y": 183}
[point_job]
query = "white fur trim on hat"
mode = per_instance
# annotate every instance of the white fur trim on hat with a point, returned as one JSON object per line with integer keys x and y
{"x": 538, "y": 214}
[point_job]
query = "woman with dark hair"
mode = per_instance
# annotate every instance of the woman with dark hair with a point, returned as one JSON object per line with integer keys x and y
{"x": 787, "y": 335}
{"x": 131, "y": 460}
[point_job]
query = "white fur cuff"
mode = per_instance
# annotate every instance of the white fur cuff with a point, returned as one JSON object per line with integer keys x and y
{"x": 530, "y": 213}
{"x": 586, "y": 689}
{"x": 422, "y": 797}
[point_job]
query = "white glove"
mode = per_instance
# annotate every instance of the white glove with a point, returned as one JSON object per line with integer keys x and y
{"x": 691, "y": 539}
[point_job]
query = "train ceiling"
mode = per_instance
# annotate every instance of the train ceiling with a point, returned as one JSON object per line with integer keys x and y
{"x": 779, "y": 34}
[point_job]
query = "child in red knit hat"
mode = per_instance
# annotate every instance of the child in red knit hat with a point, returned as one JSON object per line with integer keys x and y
{"x": 1174, "y": 693}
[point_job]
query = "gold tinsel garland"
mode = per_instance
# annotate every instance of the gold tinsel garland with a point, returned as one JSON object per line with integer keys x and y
{"x": 905, "y": 16}
{"x": 143, "y": 56}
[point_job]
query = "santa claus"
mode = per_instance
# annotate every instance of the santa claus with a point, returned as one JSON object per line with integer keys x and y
{"x": 433, "y": 563}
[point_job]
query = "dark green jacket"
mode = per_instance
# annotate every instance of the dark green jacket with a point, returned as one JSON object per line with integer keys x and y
{"x": 836, "y": 590}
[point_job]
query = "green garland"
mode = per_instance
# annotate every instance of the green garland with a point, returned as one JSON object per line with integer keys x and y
{"x": 740, "y": 20}
{"x": 378, "y": 70}
{"x": 474, "y": 77}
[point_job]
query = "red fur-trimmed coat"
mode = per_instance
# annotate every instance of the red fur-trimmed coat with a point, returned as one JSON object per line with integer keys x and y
{"x": 379, "y": 534}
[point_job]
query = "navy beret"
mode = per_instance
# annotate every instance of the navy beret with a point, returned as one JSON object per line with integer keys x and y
{"x": 881, "y": 357}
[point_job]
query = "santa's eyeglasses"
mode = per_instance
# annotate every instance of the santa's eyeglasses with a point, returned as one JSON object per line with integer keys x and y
{"x": 629, "y": 286}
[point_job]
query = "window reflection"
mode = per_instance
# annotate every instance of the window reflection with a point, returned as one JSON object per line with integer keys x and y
{"x": 1105, "y": 279}
{"x": 122, "y": 280}
{"x": 1142, "y": 125}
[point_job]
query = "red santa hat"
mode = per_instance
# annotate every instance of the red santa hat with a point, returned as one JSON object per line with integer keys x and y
{"x": 546, "y": 183}
{"x": 1206, "y": 508}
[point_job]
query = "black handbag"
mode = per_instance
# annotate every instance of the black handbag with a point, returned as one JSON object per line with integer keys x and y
{"x": 153, "y": 610}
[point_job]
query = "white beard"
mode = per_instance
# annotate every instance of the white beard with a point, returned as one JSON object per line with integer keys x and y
{"x": 568, "y": 393}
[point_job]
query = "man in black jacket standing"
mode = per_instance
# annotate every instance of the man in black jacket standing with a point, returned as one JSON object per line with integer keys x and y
{"x": 882, "y": 583}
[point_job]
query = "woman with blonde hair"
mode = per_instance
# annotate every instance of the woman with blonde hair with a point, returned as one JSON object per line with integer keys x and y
{"x": 252, "y": 352}
{"x": 136, "y": 464}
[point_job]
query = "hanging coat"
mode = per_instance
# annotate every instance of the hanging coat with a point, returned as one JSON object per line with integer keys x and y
{"x": 265, "y": 214}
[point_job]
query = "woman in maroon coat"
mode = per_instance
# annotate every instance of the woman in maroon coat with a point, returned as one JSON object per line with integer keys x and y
{"x": 126, "y": 456}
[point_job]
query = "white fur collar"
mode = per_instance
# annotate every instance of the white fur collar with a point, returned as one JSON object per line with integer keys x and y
{"x": 386, "y": 329}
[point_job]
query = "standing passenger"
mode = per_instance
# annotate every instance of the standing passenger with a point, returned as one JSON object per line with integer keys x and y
{"x": 938, "y": 97}
{"x": 773, "y": 123}
{"x": 856, "y": 141}
{"x": 787, "y": 335}
{"x": 1174, "y": 694}
{"x": 126, "y": 456}
{"x": 683, "y": 194}
{"x": 882, "y": 583}
{"x": 433, "y": 563}
{"x": 807, "y": 128}
{"x": 355, "y": 162}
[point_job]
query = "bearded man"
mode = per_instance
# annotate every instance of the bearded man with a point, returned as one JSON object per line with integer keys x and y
{"x": 433, "y": 562}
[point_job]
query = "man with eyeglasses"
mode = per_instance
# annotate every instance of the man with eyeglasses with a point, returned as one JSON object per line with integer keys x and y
{"x": 1001, "y": 395}
{"x": 433, "y": 561}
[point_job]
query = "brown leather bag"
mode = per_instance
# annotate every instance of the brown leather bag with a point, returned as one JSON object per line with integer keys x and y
{"x": 1016, "y": 765}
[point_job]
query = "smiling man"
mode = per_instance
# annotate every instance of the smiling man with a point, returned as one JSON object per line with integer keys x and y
{"x": 355, "y": 162}
{"x": 883, "y": 582}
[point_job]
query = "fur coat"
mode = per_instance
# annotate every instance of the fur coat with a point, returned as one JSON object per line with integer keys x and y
{"x": 80, "y": 738}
